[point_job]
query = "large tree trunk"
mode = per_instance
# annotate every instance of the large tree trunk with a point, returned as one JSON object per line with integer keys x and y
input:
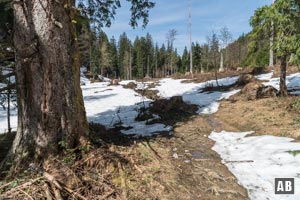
{"x": 283, "y": 88}
{"x": 50, "y": 103}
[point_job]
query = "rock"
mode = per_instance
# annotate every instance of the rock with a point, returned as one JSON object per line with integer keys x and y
{"x": 265, "y": 92}
{"x": 187, "y": 161}
{"x": 175, "y": 155}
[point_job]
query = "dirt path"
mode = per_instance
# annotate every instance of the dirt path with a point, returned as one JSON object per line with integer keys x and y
{"x": 200, "y": 171}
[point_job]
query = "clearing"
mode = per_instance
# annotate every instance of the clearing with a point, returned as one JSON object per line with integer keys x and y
{"x": 178, "y": 139}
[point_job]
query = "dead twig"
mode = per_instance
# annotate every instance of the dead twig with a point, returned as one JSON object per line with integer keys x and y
{"x": 23, "y": 185}
{"x": 52, "y": 180}
{"x": 47, "y": 191}
{"x": 5, "y": 185}
{"x": 30, "y": 197}
{"x": 107, "y": 195}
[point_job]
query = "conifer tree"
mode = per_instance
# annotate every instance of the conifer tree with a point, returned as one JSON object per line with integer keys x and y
{"x": 284, "y": 17}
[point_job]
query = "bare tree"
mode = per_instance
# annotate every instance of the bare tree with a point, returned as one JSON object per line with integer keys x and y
{"x": 225, "y": 37}
{"x": 171, "y": 37}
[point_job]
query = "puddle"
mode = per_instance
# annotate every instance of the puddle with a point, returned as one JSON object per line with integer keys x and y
{"x": 198, "y": 155}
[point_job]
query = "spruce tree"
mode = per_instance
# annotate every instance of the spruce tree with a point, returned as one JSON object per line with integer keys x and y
{"x": 284, "y": 17}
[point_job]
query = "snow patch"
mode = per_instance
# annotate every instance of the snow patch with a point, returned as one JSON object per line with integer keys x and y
{"x": 257, "y": 160}
{"x": 264, "y": 77}
{"x": 292, "y": 82}
{"x": 191, "y": 93}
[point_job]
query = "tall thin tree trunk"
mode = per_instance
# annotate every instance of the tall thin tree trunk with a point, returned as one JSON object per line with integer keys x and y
{"x": 171, "y": 64}
{"x": 8, "y": 112}
{"x": 148, "y": 68}
{"x": 216, "y": 70}
{"x": 50, "y": 102}
{"x": 130, "y": 63}
{"x": 283, "y": 88}
{"x": 156, "y": 72}
{"x": 271, "y": 51}
{"x": 8, "y": 106}
{"x": 221, "y": 62}
{"x": 190, "y": 30}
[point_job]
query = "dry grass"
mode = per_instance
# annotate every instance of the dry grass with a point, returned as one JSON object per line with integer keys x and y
{"x": 109, "y": 172}
{"x": 270, "y": 116}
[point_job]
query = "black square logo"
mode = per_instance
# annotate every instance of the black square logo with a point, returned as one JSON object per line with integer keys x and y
{"x": 284, "y": 186}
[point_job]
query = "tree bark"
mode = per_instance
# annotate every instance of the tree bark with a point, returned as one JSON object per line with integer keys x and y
{"x": 50, "y": 102}
{"x": 283, "y": 89}
{"x": 221, "y": 69}
{"x": 271, "y": 51}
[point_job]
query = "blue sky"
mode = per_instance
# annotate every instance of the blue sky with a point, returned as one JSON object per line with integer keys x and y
{"x": 207, "y": 16}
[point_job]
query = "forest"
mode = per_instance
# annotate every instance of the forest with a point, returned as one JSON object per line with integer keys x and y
{"x": 86, "y": 115}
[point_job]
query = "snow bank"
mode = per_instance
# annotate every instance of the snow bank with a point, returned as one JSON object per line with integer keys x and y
{"x": 257, "y": 160}
{"x": 191, "y": 93}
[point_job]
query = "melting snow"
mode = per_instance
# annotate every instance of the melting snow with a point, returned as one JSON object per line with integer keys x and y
{"x": 292, "y": 82}
{"x": 264, "y": 77}
{"x": 257, "y": 160}
{"x": 111, "y": 105}
{"x": 191, "y": 93}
